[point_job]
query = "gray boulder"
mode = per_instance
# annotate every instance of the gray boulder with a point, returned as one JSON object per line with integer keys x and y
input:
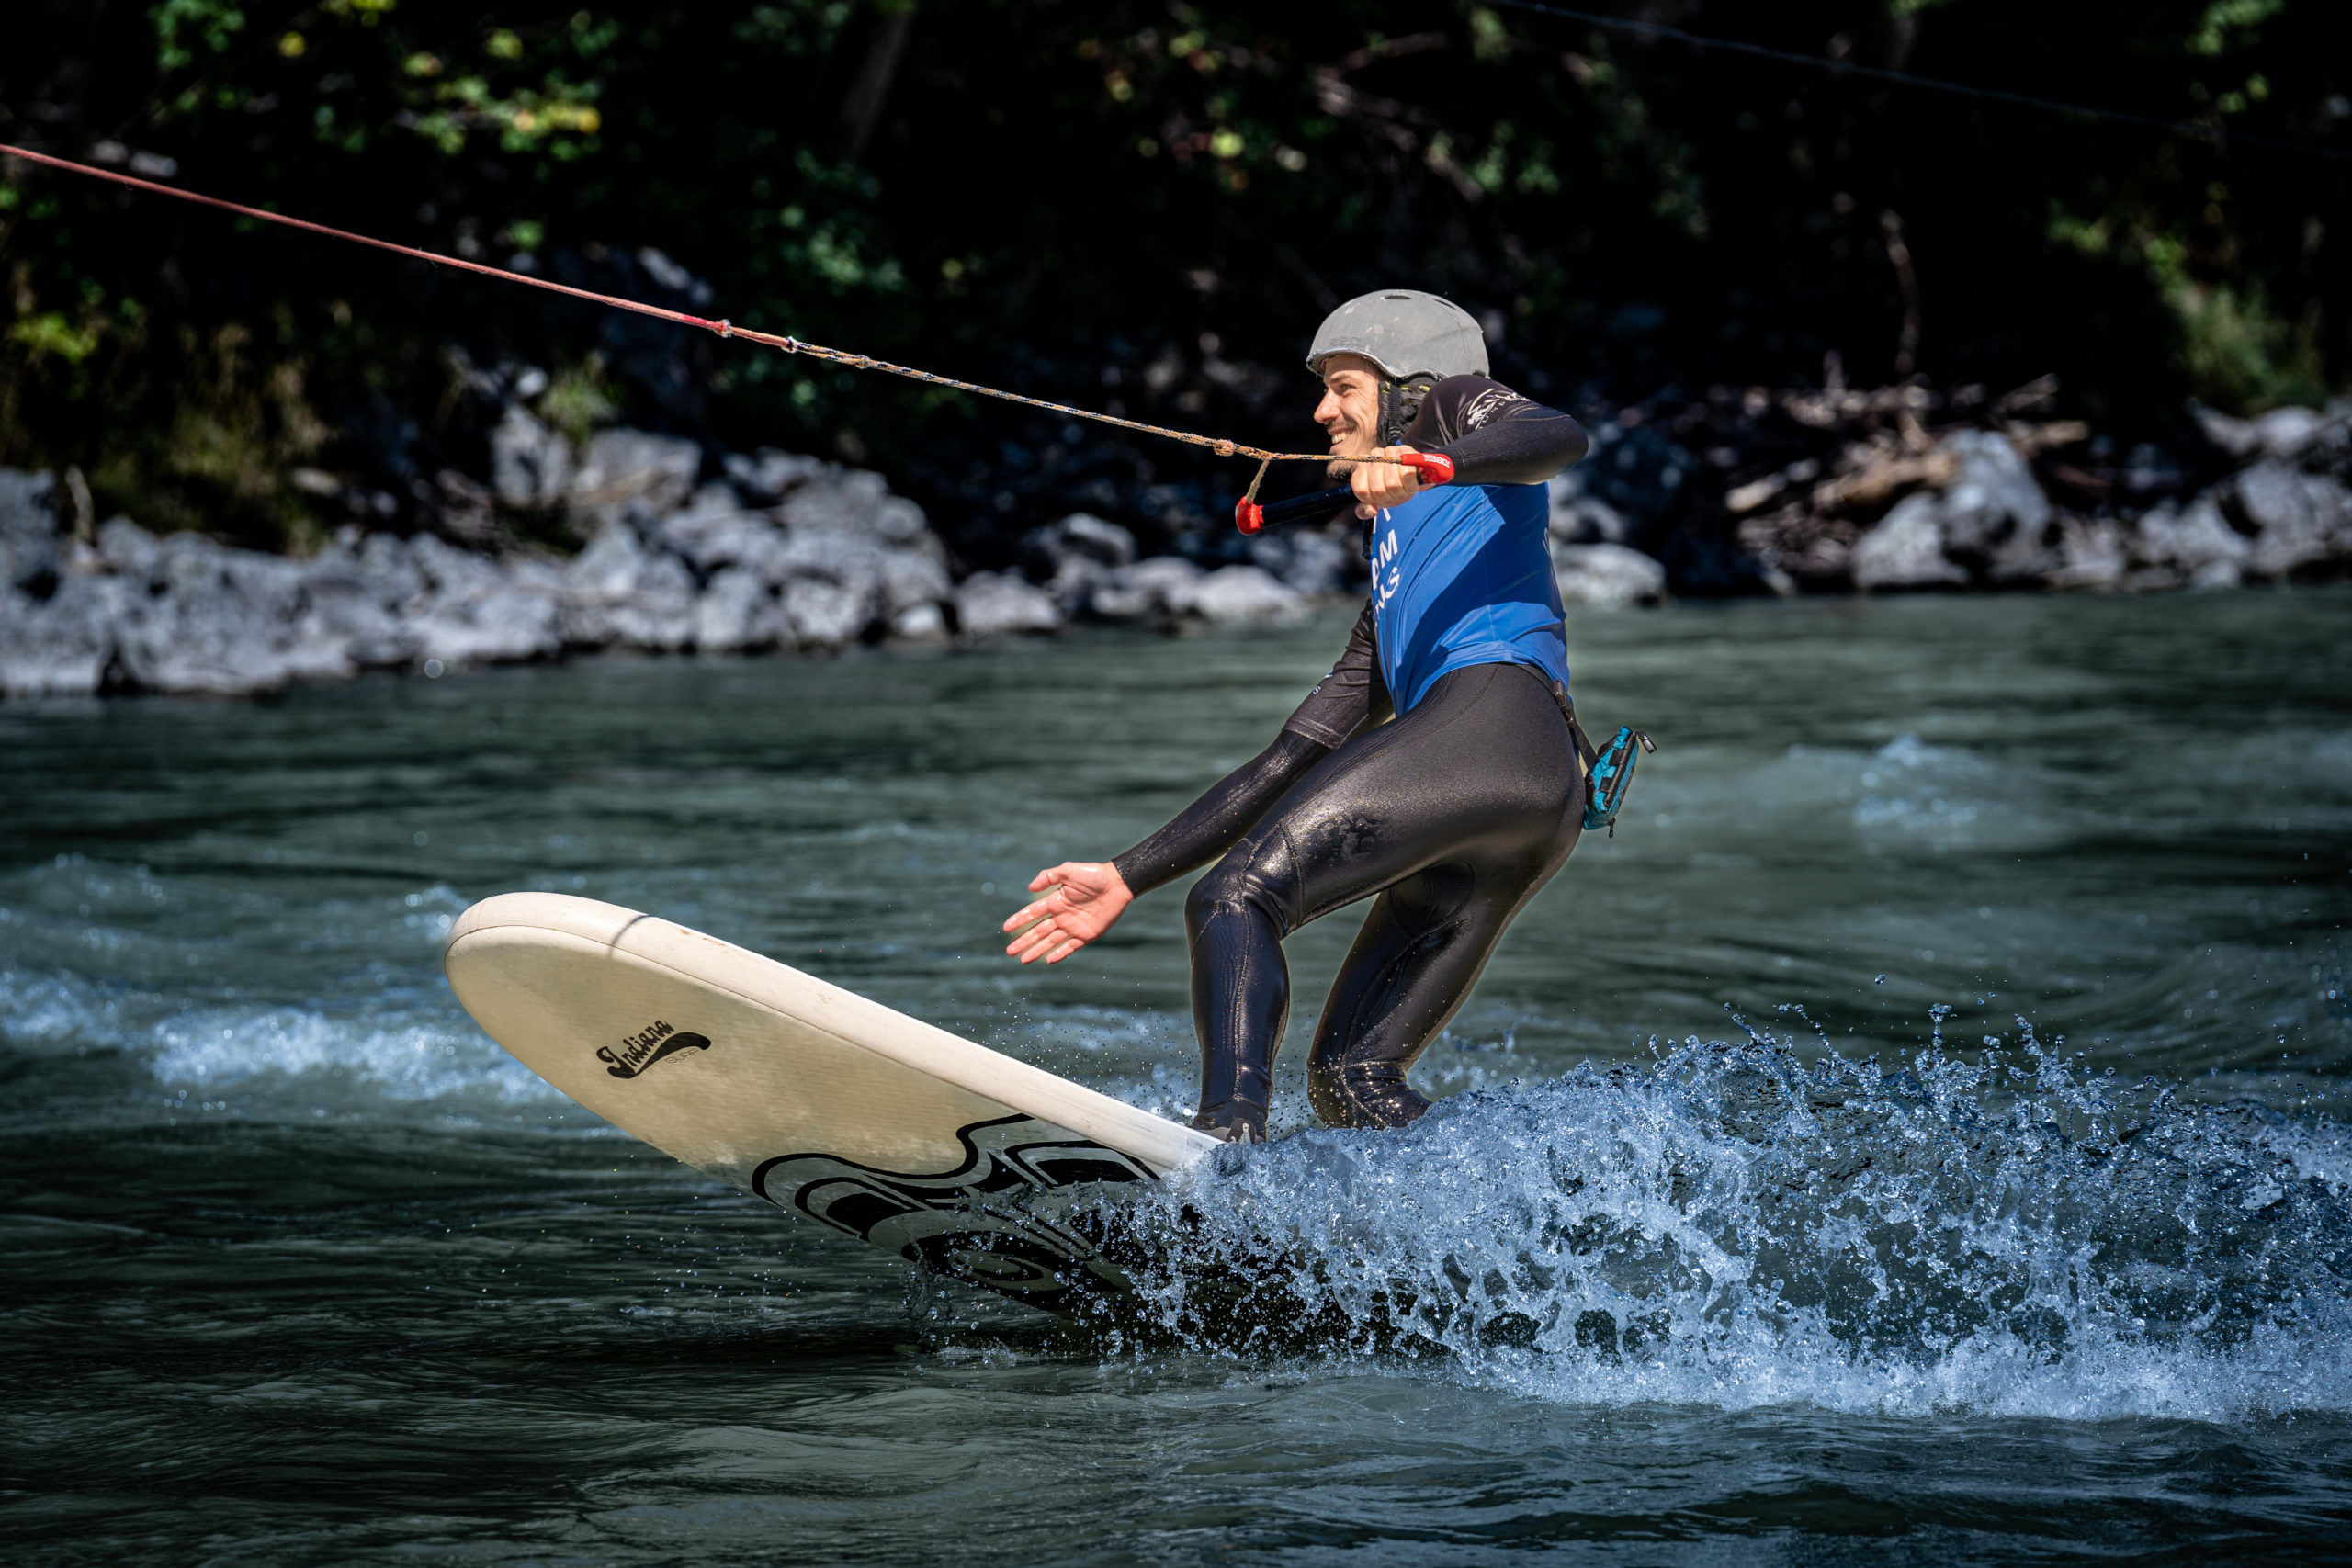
{"x": 850, "y": 500}
{"x": 125, "y": 547}
{"x": 1607, "y": 576}
{"x": 838, "y": 556}
{"x": 2237, "y": 437}
{"x": 832, "y": 584}
{"x": 2194, "y": 545}
{"x": 2284, "y": 432}
{"x": 389, "y": 571}
{"x": 1631, "y": 481}
{"x": 736, "y": 614}
{"x": 2288, "y": 432}
{"x": 1001, "y": 604}
{"x": 824, "y": 615}
{"x": 624, "y": 467}
{"x": 834, "y": 559}
{"x": 768, "y": 476}
{"x": 920, "y": 623}
{"x": 2092, "y": 553}
{"x": 502, "y": 625}
{"x": 850, "y": 561}
{"x": 1081, "y": 536}
{"x": 63, "y": 646}
{"x": 717, "y": 530}
{"x": 617, "y": 590}
{"x": 1069, "y": 557}
{"x": 344, "y": 605}
{"x": 2297, "y": 519}
{"x": 1990, "y": 523}
{"x": 1580, "y": 517}
{"x": 914, "y": 576}
{"x": 205, "y": 619}
{"x": 29, "y": 558}
{"x": 1310, "y": 562}
{"x": 530, "y": 465}
{"x": 450, "y": 572}
{"x": 477, "y": 611}
{"x": 1156, "y": 588}
{"x": 1993, "y": 513}
{"x": 1241, "y": 593}
{"x": 1905, "y": 549}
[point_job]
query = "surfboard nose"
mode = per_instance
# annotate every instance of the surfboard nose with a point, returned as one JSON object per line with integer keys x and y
{"x": 584, "y": 917}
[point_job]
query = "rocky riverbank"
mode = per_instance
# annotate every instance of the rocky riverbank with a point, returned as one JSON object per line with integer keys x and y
{"x": 681, "y": 549}
{"x": 1903, "y": 488}
{"x": 773, "y": 551}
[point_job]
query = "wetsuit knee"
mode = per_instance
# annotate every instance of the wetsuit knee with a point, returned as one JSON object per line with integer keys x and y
{"x": 1246, "y": 882}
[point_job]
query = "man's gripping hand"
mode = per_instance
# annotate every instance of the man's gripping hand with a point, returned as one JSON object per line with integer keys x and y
{"x": 1379, "y": 483}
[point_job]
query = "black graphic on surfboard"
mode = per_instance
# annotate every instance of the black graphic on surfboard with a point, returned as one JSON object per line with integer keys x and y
{"x": 646, "y": 1046}
{"x": 979, "y": 1222}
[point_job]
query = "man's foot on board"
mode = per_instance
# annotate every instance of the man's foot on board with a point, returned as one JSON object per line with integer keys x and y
{"x": 1234, "y": 1121}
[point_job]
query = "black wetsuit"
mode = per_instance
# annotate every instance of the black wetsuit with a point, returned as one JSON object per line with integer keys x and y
{"x": 1453, "y": 813}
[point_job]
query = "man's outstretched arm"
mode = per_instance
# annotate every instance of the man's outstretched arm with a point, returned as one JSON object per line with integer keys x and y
{"x": 1081, "y": 899}
{"x": 1084, "y": 898}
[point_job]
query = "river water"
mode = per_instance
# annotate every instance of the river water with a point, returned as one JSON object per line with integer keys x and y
{"x": 1920, "y": 1130}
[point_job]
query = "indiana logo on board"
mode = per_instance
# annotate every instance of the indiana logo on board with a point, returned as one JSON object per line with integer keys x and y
{"x": 646, "y": 1046}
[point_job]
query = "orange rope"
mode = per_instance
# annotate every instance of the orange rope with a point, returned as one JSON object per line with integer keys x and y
{"x": 724, "y": 329}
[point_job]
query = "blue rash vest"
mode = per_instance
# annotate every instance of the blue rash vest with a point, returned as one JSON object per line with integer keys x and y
{"x": 1461, "y": 575}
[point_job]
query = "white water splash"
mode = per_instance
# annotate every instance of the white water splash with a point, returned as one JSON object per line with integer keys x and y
{"x": 391, "y": 1042}
{"x": 1736, "y": 1229}
{"x": 402, "y": 1059}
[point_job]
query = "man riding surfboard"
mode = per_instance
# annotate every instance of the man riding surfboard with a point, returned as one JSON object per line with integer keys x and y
{"x": 1437, "y": 770}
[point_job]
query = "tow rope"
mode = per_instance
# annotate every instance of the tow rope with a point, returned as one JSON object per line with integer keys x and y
{"x": 1248, "y": 508}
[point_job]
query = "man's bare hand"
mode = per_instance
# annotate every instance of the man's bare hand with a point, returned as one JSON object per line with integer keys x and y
{"x": 1083, "y": 899}
{"x": 1380, "y": 484}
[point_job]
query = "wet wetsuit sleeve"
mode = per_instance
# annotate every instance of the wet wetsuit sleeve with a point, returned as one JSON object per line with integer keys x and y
{"x": 1494, "y": 435}
{"x": 1343, "y": 701}
{"x": 1215, "y": 823}
{"x": 1352, "y": 695}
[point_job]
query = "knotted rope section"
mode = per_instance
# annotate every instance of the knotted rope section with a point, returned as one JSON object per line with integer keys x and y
{"x": 724, "y": 329}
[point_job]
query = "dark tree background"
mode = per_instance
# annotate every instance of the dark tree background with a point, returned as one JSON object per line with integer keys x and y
{"x": 1127, "y": 204}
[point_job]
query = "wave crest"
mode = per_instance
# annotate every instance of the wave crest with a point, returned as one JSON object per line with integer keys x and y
{"x": 2006, "y": 1234}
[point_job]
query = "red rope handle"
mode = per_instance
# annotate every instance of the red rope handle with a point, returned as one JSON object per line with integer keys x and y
{"x": 724, "y": 329}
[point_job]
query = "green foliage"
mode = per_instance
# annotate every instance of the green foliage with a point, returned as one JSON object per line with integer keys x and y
{"x": 182, "y": 26}
{"x": 2240, "y": 354}
{"x": 51, "y": 332}
{"x": 578, "y": 400}
{"x": 2224, "y": 17}
{"x": 1128, "y": 202}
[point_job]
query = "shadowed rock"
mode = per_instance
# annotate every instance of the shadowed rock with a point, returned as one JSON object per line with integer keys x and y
{"x": 788, "y": 552}
{"x": 1072, "y": 555}
{"x": 29, "y": 555}
{"x": 1241, "y": 593}
{"x": 999, "y": 604}
{"x": 1311, "y": 561}
{"x": 1149, "y": 590}
{"x": 1606, "y": 576}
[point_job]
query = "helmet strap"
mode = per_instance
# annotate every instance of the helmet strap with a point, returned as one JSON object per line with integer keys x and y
{"x": 1400, "y": 401}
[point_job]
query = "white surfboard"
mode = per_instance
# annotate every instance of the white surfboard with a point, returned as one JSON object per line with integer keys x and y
{"x": 942, "y": 1151}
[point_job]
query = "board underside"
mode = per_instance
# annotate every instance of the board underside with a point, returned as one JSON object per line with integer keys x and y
{"x": 820, "y": 1100}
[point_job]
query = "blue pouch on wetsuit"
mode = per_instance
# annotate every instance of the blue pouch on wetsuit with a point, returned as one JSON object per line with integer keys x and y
{"x": 1611, "y": 776}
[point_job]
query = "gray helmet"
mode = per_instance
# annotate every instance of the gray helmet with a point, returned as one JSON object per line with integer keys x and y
{"x": 1405, "y": 332}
